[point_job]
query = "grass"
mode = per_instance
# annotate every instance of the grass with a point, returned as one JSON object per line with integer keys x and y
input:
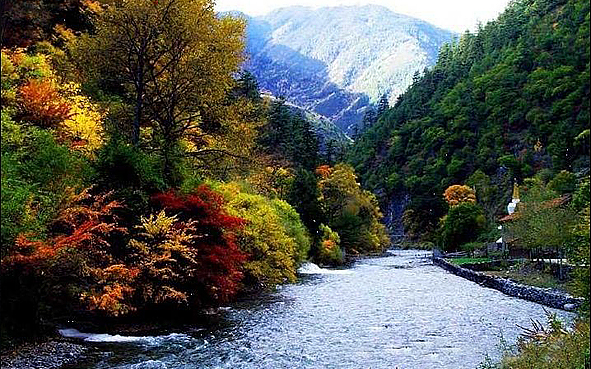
{"x": 461, "y": 261}
{"x": 526, "y": 273}
{"x": 523, "y": 273}
{"x": 558, "y": 350}
{"x": 555, "y": 348}
{"x": 531, "y": 278}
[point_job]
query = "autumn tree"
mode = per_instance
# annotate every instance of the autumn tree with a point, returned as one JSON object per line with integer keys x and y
{"x": 457, "y": 194}
{"x": 273, "y": 237}
{"x": 188, "y": 254}
{"x": 233, "y": 151}
{"x": 464, "y": 220}
{"x": 351, "y": 211}
{"x": 174, "y": 58}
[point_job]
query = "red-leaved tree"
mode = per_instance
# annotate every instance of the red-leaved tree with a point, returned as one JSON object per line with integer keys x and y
{"x": 193, "y": 257}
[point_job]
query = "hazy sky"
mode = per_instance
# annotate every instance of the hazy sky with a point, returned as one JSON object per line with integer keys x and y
{"x": 455, "y": 15}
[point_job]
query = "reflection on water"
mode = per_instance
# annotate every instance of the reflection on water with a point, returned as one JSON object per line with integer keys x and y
{"x": 396, "y": 311}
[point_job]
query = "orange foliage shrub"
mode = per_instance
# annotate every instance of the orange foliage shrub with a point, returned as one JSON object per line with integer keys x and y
{"x": 82, "y": 231}
{"x": 324, "y": 171}
{"x": 42, "y": 104}
{"x": 458, "y": 194}
{"x": 110, "y": 299}
{"x": 85, "y": 225}
{"x": 328, "y": 244}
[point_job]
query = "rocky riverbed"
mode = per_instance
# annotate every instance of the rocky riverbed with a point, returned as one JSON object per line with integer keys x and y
{"x": 51, "y": 354}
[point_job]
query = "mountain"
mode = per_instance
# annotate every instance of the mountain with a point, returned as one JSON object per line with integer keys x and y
{"x": 508, "y": 102}
{"x": 336, "y": 61}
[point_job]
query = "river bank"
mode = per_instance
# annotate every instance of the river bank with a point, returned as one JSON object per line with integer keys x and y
{"x": 51, "y": 354}
{"x": 399, "y": 310}
{"x": 544, "y": 296}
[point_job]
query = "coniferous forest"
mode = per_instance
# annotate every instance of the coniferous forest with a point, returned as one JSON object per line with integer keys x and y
{"x": 506, "y": 103}
{"x": 147, "y": 180}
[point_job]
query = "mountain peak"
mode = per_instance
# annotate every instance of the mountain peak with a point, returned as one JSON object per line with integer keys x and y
{"x": 335, "y": 60}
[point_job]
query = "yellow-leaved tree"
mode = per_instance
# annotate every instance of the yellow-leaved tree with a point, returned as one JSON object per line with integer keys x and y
{"x": 176, "y": 61}
{"x": 84, "y": 125}
{"x": 351, "y": 211}
{"x": 274, "y": 237}
{"x": 458, "y": 194}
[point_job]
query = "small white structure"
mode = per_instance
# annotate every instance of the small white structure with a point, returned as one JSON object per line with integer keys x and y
{"x": 515, "y": 199}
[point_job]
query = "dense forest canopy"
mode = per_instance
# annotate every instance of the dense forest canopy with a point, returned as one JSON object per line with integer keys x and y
{"x": 504, "y": 103}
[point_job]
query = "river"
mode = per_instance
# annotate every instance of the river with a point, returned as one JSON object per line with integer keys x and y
{"x": 398, "y": 311}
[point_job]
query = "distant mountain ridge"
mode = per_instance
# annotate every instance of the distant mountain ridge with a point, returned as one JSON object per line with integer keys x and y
{"x": 336, "y": 61}
{"x": 326, "y": 131}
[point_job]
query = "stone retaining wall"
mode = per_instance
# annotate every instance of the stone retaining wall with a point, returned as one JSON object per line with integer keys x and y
{"x": 540, "y": 295}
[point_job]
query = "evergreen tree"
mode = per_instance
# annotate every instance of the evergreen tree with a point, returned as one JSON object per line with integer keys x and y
{"x": 513, "y": 97}
{"x": 369, "y": 118}
{"x": 383, "y": 105}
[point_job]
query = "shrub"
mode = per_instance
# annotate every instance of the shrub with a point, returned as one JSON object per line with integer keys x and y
{"x": 38, "y": 178}
{"x": 274, "y": 237}
{"x": 42, "y": 104}
{"x": 552, "y": 347}
{"x": 56, "y": 274}
{"x": 294, "y": 227}
{"x": 564, "y": 182}
{"x": 329, "y": 250}
{"x": 197, "y": 261}
{"x": 470, "y": 247}
{"x": 84, "y": 125}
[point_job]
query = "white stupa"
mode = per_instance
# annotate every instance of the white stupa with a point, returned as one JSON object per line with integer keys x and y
{"x": 515, "y": 199}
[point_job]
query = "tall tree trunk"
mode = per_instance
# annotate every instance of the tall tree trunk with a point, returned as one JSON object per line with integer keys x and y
{"x": 139, "y": 103}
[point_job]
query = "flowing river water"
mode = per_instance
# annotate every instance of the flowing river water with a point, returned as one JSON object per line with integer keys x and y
{"x": 398, "y": 311}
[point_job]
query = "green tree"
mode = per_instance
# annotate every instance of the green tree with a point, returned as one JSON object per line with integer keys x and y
{"x": 564, "y": 182}
{"x": 383, "y": 105}
{"x": 542, "y": 221}
{"x": 461, "y": 225}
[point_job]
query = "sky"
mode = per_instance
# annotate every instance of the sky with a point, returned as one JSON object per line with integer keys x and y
{"x": 453, "y": 15}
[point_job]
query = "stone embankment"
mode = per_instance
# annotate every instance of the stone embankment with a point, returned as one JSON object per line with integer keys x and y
{"x": 542, "y": 296}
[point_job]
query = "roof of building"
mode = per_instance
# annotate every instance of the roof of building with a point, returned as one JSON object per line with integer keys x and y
{"x": 557, "y": 202}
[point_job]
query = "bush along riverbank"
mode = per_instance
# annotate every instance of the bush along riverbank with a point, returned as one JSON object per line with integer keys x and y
{"x": 542, "y": 296}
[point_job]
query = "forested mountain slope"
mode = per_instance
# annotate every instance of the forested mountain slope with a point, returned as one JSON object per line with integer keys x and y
{"x": 509, "y": 101}
{"x": 337, "y": 60}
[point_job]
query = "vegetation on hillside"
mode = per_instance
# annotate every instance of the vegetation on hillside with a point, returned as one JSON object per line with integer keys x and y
{"x": 508, "y": 104}
{"x": 143, "y": 174}
{"x": 504, "y": 103}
